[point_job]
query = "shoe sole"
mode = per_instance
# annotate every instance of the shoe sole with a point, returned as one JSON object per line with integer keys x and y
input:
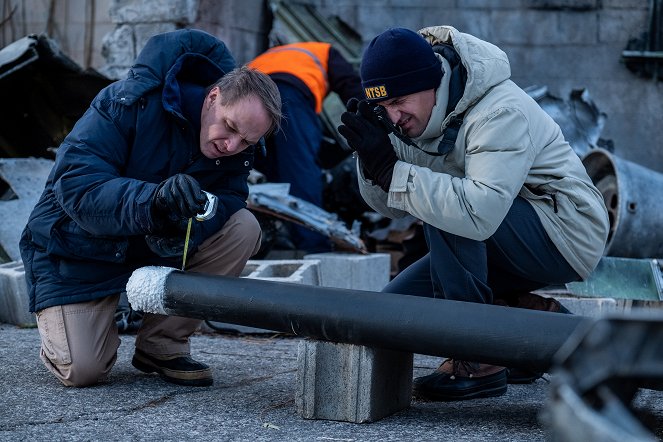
{"x": 199, "y": 378}
{"x": 522, "y": 380}
{"x": 490, "y": 390}
{"x": 522, "y": 376}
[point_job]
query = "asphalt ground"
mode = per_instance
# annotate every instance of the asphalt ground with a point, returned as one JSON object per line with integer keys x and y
{"x": 252, "y": 399}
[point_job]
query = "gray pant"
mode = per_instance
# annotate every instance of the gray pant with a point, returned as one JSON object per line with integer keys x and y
{"x": 79, "y": 341}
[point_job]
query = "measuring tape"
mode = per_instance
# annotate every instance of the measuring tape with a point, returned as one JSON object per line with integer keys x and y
{"x": 208, "y": 212}
{"x": 186, "y": 242}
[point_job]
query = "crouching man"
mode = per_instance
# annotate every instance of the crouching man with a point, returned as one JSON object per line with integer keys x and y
{"x": 125, "y": 182}
{"x": 507, "y": 207}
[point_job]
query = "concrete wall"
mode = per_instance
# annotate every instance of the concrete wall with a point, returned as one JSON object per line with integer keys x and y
{"x": 135, "y": 22}
{"x": 77, "y": 25}
{"x": 107, "y": 34}
{"x": 564, "y": 44}
{"x": 243, "y": 25}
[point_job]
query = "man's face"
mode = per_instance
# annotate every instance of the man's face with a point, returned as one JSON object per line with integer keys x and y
{"x": 228, "y": 130}
{"x": 411, "y": 112}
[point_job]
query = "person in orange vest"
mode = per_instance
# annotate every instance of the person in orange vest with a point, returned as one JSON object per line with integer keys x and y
{"x": 305, "y": 73}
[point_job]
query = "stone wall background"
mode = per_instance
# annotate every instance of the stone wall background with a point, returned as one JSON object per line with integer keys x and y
{"x": 77, "y": 25}
{"x": 562, "y": 44}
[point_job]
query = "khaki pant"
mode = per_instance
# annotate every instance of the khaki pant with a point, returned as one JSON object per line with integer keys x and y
{"x": 79, "y": 342}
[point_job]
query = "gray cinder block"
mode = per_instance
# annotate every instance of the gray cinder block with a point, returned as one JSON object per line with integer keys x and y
{"x": 351, "y": 383}
{"x": 14, "y": 295}
{"x": 296, "y": 271}
{"x": 150, "y": 11}
{"x": 353, "y": 271}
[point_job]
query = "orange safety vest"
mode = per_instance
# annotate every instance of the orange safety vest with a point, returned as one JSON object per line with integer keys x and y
{"x": 307, "y": 61}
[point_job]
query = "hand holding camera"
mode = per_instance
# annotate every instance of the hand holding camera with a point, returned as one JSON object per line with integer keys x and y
{"x": 366, "y": 135}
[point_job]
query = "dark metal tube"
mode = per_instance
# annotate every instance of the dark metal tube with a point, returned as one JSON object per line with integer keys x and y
{"x": 475, "y": 332}
{"x": 631, "y": 193}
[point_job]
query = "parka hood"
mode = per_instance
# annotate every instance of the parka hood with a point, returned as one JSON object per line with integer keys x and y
{"x": 486, "y": 64}
{"x": 170, "y": 57}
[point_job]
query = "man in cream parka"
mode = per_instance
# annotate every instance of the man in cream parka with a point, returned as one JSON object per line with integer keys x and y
{"x": 507, "y": 207}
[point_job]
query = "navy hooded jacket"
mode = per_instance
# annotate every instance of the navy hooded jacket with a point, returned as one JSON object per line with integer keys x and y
{"x": 87, "y": 232}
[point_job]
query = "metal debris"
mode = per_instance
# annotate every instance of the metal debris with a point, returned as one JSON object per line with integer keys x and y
{"x": 43, "y": 93}
{"x": 274, "y": 199}
{"x": 579, "y": 118}
{"x": 598, "y": 372}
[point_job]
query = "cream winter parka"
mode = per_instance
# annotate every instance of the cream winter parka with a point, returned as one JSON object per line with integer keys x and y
{"x": 507, "y": 146}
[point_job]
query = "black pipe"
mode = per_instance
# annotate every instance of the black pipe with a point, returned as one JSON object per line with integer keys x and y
{"x": 476, "y": 332}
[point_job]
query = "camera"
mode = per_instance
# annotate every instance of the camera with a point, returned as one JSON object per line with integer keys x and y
{"x": 390, "y": 127}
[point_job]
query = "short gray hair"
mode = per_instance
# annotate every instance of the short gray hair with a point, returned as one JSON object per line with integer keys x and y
{"x": 243, "y": 82}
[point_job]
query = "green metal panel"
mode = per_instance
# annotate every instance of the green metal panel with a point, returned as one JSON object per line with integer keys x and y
{"x": 622, "y": 278}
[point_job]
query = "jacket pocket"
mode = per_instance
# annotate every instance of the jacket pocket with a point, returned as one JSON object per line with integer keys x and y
{"x": 88, "y": 271}
{"x": 534, "y": 193}
{"x": 87, "y": 247}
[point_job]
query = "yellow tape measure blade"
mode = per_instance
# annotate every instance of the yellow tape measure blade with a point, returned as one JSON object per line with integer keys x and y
{"x": 186, "y": 242}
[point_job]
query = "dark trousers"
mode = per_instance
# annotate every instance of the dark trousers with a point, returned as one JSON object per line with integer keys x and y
{"x": 519, "y": 257}
{"x": 291, "y": 158}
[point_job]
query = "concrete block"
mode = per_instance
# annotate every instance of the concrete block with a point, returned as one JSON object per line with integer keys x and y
{"x": 297, "y": 271}
{"x": 577, "y": 28}
{"x": 119, "y": 50}
{"x": 625, "y": 4}
{"x": 509, "y": 27}
{"x": 578, "y": 5}
{"x": 618, "y": 26}
{"x": 472, "y": 21}
{"x": 149, "y": 11}
{"x": 351, "y": 383}
{"x": 145, "y": 31}
{"x": 353, "y": 271}
{"x": 14, "y": 295}
{"x": 491, "y": 4}
{"x": 246, "y": 15}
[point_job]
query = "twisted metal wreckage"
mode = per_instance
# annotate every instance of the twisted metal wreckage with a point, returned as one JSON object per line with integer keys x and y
{"x": 601, "y": 364}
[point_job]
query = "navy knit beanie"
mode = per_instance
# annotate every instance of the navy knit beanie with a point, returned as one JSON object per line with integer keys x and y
{"x": 398, "y": 62}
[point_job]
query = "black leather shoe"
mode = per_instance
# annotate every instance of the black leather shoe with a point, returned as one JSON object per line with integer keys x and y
{"x": 181, "y": 370}
{"x": 532, "y": 301}
{"x": 456, "y": 385}
{"x": 522, "y": 376}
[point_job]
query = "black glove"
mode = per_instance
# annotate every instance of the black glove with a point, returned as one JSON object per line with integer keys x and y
{"x": 352, "y": 104}
{"x": 180, "y": 195}
{"x": 366, "y": 135}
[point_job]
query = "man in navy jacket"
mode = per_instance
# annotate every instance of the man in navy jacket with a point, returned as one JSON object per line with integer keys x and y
{"x": 124, "y": 184}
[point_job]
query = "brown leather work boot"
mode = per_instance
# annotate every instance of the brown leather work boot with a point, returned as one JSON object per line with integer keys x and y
{"x": 181, "y": 370}
{"x": 460, "y": 380}
{"x": 533, "y": 301}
